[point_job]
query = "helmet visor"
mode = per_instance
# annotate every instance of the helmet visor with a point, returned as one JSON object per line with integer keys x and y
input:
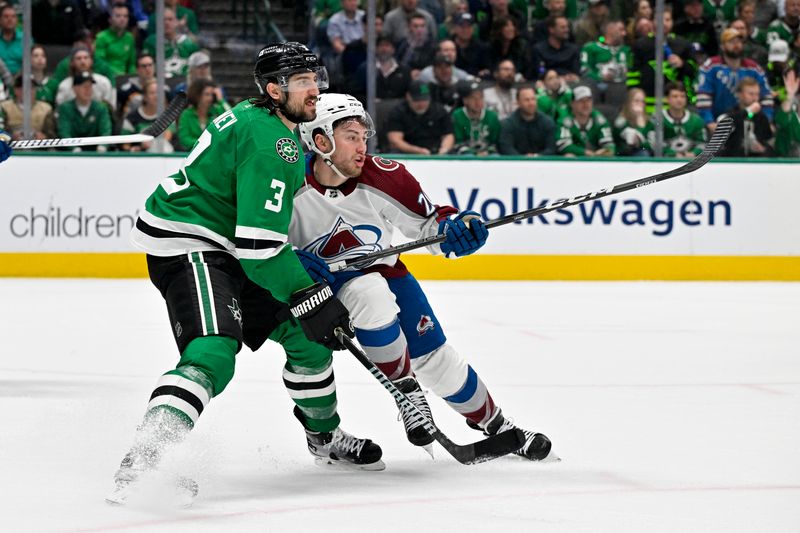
{"x": 350, "y": 126}
{"x": 305, "y": 80}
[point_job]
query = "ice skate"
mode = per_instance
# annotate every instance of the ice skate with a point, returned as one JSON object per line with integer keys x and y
{"x": 415, "y": 431}
{"x": 537, "y": 446}
{"x": 341, "y": 449}
{"x": 135, "y": 466}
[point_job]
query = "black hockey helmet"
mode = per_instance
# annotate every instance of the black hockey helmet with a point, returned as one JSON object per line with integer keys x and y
{"x": 277, "y": 62}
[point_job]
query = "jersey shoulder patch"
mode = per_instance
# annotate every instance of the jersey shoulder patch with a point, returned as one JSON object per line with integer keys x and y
{"x": 387, "y": 165}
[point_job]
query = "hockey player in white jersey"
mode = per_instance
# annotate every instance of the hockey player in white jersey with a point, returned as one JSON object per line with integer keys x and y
{"x": 350, "y": 205}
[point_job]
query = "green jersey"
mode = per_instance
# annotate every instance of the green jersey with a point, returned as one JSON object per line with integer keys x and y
{"x": 92, "y": 121}
{"x": 572, "y": 138}
{"x": 476, "y": 135}
{"x": 176, "y": 53}
{"x": 234, "y": 193}
{"x": 631, "y": 138}
{"x": 554, "y": 105}
{"x": 119, "y": 51}
{"x": 787, "y": 136}
{"x": 687, "y": 134}
{"x": 720, "y": 12}
{"x": 601, "y": 62}
{"x": 778, "y": 29}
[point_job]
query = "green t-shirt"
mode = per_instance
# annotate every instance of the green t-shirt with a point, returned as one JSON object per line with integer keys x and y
{"x": 476, "y": 135}
{"x": 234, "y": 193}
{"x": 119, "y": 51}
{"x": 787, "y": 136}
{"x": 180, "y": 12}
{"x": 685, "y": 135}
{"x": 598, "y": 58}
{"x": 571, "y": 138}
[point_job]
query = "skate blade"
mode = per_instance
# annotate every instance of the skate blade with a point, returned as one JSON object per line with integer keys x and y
{"x": 429, "y": 448}
{"x": 335, "y": 464}
{"x": 551, "y": 458}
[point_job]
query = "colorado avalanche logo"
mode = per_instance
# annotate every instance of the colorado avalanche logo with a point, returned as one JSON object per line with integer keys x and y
{"x": 425, "y": 323}
{"x": 346, "y": 241}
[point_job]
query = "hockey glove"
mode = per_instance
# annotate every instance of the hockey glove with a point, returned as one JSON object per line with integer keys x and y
{"x": 465, "y": 234}
{"x": 315, "y": 266}
{"x": 5, "y": 147}
{"x": 320, "y": 313}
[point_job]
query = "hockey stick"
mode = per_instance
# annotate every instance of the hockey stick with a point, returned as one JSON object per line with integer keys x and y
{"x": 148, "y": 134}
{"x": 714, "y": 145}
{"x": 478, "y": 452}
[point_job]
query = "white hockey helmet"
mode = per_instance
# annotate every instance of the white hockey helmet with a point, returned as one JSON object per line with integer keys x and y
{"x": 332, "y": 107}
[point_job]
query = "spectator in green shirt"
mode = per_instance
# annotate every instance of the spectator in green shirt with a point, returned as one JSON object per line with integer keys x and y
{"x": 787, "y": 119}
{"x": 476, "y": 128}
{"x": 584, "y": 131}
{"x": 554, "y": 96}
{"x": 10, "y": 39}
{"x": 186, "y": 20}
{"x": 177, "y": 47}
{"x": 632, "y": 127}
{"x": 203, "y": 108}
{"x": 83, "y": 116}
{"x": 116, "y": 45}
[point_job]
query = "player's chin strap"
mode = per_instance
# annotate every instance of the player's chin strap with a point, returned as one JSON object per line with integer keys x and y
{"x": 326, "y": 157}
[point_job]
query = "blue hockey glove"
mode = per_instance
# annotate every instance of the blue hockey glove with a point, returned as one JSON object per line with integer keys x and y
{"x": 315, "y": 266}
{"x": 5, "y": 147}
{"x": 465, "y": 234}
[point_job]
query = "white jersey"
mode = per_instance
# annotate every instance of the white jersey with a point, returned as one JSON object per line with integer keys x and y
{"x": 360, "y": 216}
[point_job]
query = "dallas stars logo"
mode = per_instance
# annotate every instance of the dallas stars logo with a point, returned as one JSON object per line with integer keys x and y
{"x": 288, "y": 150}
{"x": 236, "y": 311}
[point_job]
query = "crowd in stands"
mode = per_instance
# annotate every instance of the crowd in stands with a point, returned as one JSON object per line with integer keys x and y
{"x": 105, "y": 83}
{"x": 481, "y": 77}
{"x": 571, "y": 77}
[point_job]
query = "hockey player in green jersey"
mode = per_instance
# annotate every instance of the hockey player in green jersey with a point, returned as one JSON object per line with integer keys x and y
{"x": 215, "y": 234}
{"x": 684, "y": 131}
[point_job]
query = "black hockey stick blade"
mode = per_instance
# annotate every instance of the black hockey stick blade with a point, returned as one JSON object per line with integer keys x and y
{"x": 477, "y": 452}
{"x": 713, "y": 146}
{"x": 170, "y": 115}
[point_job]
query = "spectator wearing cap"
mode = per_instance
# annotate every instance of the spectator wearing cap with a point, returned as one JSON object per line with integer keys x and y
{"x": 177, "y": 46}
{"x": 199, "y": 65}
{"x": 755, "y": 40}
{"x": 102, "y": 88}
{"x": 417, "y": 50}
{"x": 472, "y": 55}
{"x": 527, "y": 131}
{"x": 552, "y": 8}
{"x": 116, "y": 45}
{"x": 11, "y": 115}
{"x": 56, "y": 21}
{"x": 780, "y": 59}
{"x": 67, "y": 67}
{"x": 677, "y": 66}
{"x": 476, "y": 129}
{"x": 684, "y": 131}
{"x": 590, "y": 26}
{"x": 454, "y": 8}
{"x": 419, "y": 126}
{"x": 502, "y": 96}
{"x": 752, "y": 132}
{"x": 720, "y": 75}
{"x": 443, "y": 87}
{"x": 556, "y": 53}
{"x": 448, "y": 49}
{"x": 787, "y": 119}
{"x": 695, "y": 28}
{"x": 10, "y": 39}
{"x": 788, "y": 26}
{"x": 397, "y": 22}
{"x": 505, "y": 42}
{"x": 584, "y": 131}
{"x": 83, "y": 115}
{"x": 554, "y": 96}
{"x": 487, "y": 14}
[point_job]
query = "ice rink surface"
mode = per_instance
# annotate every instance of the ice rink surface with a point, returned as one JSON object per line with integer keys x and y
{"x": 675, "y": 408}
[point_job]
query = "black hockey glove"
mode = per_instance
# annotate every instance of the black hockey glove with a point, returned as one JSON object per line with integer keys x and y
{"x": 320, "y": 313}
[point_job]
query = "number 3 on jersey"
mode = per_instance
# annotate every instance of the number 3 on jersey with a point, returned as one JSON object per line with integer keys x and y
{"x": 276, "y": 202}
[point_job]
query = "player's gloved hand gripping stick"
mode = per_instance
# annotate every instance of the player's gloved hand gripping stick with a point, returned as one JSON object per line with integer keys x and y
{"x": 148, "y": 134}
{"x": 714, "y": 145}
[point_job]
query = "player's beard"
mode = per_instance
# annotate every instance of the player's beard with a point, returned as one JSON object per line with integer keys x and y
{"x": 295, "y": 111}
